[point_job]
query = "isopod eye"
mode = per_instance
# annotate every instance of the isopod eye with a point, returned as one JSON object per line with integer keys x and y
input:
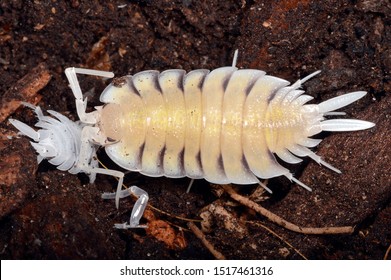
{"x": 119, "y": 82}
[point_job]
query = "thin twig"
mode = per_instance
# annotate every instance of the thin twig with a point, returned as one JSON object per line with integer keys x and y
{"x": 278, "y": 236}
{"x": 197, "y": 232}
{"x": 387, "y": 253}
{"x": 282, "y": 222}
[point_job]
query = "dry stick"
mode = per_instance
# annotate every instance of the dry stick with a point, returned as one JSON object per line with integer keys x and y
{"x": 197, "y": 232}
{"x": 387, "y": 252}
{"x": 280, "y": 221}
{"x": 278, "y": 236}
{"x": 24, "y": 89}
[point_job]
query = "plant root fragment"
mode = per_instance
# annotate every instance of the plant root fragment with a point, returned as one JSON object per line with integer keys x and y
{"x": 278, "y": 236}
{"x": 197, "y": 232}
{"x": 282, "y": 222}
{"x": 387, "y": 253}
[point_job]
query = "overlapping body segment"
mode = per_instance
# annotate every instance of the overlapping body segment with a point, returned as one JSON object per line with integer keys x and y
{"x": 226, "y": 125}
{"x": 235, "y": 95}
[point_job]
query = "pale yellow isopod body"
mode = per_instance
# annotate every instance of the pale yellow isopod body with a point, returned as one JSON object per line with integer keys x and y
{"x": 224, "y": 126}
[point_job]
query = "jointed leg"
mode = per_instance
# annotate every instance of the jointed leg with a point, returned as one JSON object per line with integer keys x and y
{"x": 138, "y": 208}
{"x": 235, "y": 58}
{"x": 74, "y": 84}
{"x": 87, "y": 152}
{"x": 86, "y": 162}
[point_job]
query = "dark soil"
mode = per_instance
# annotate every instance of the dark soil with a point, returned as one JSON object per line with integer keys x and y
{"x": 49, "y": 214}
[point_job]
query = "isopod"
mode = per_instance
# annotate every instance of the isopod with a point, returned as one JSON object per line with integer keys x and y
{"x": 225, "y": 126}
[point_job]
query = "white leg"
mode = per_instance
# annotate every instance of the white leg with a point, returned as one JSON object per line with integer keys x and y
{"x": 190, "y": 184}
{"x": 291, "y": 178}
{"x": 264, "y": 185}
{"x": 300, "y": 82}
{"x": 86, "y": 164}
{"x": 138, "y": 208}
{"x": 86, "y": 161}
{"x": 81, "y": 104}
{"x": 235, "y": 58}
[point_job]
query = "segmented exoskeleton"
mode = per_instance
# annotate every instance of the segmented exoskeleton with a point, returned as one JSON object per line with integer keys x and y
{"x": 225, "y": 126}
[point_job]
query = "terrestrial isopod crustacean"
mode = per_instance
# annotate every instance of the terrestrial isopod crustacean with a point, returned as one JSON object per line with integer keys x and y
{"x": 225, "y": 126}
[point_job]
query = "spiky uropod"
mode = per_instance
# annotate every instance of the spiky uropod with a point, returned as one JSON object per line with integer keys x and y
{"x": 225, "y": 126}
